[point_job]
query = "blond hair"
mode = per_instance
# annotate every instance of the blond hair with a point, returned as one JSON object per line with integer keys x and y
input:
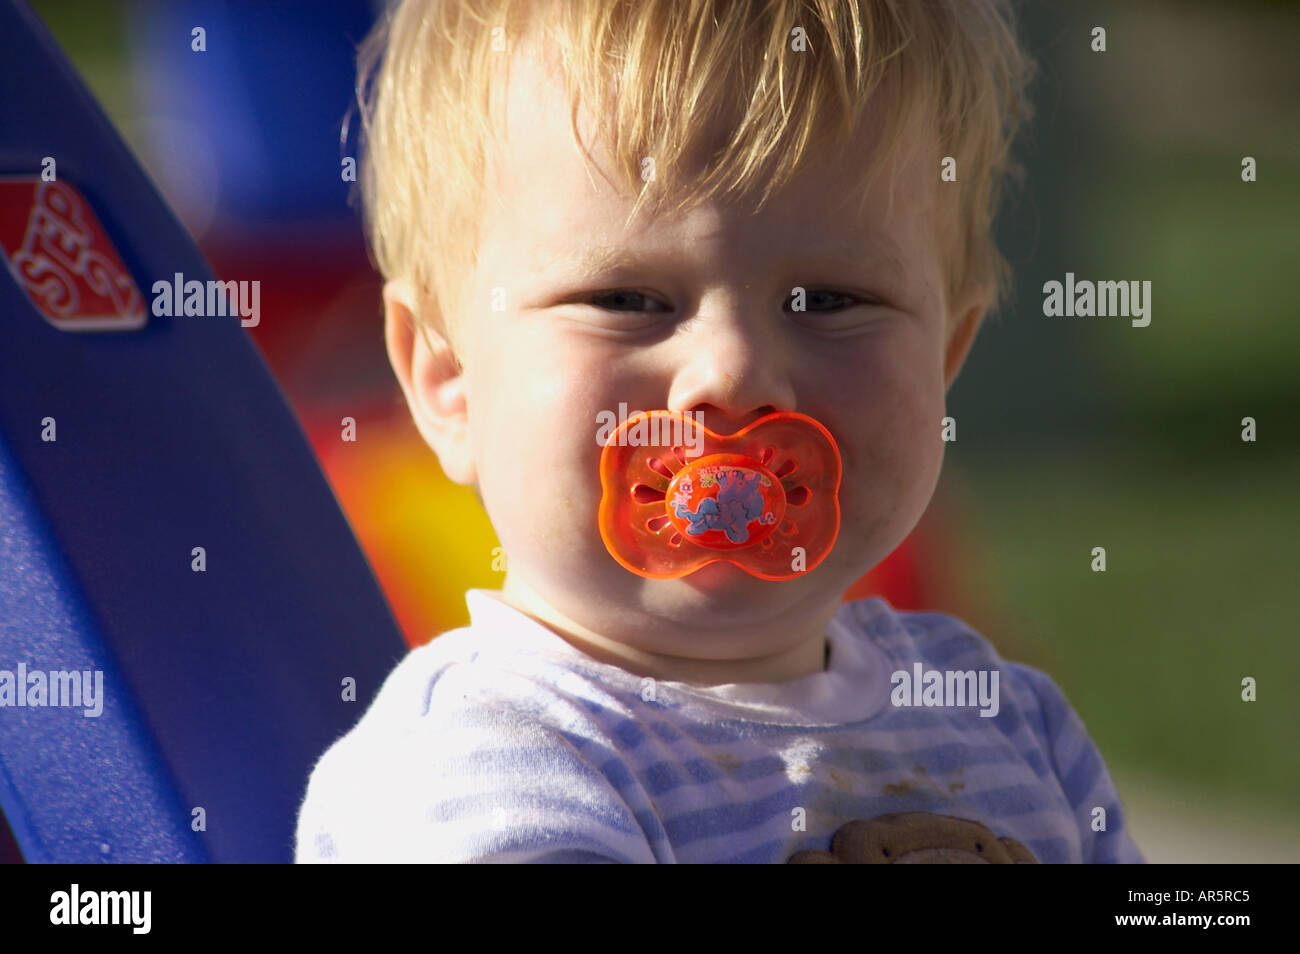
{"x": 662, "y": 71}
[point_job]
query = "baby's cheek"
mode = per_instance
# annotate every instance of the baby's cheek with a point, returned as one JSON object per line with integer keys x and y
{"x": 563, "y": 502}
{"x": 896, "y": 460}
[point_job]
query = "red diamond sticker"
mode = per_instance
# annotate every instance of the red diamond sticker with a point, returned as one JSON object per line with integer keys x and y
{"x": 59, "y": 253}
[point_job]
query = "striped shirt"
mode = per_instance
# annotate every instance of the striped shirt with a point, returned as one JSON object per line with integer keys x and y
{"x": 500, "y": 742}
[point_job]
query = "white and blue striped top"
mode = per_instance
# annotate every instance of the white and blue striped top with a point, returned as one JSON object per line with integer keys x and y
{"x": 500, "y": 742}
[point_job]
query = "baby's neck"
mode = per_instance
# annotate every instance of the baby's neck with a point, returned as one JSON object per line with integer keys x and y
{"x": 809, "y": 656}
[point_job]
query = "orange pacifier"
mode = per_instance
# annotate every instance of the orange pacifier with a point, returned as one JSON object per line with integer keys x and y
{"x": 677, "y": 497}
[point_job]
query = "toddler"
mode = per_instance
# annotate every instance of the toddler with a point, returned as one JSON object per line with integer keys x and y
{"x": 768, "y": 224}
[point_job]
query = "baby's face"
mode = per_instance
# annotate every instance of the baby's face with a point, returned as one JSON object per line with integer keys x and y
{"x": 693, "y": 313}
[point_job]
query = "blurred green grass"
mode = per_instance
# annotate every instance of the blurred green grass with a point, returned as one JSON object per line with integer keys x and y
{"x": 1220, "y": 255}
{"x": 93, "y": 35}
{"x": 1199, "y": 592}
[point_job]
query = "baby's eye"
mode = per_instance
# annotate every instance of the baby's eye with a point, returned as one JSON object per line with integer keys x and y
{"x": 820, "y": 300}
{"x": 627, "y": 300}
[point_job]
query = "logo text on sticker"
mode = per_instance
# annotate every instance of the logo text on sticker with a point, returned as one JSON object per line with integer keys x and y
{"x": 59, "y": 254}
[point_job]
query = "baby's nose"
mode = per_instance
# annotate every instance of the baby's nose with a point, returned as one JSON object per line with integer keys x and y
{"x": 733, "y": 371}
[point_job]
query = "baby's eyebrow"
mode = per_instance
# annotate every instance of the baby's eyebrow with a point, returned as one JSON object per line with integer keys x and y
{"x": 604, "y": 258}
{"x": 593, "y": 261}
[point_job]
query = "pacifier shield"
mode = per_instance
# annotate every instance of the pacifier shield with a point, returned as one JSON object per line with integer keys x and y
{"x": 676, "y": 496}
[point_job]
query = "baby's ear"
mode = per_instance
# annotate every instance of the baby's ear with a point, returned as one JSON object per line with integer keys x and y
{"x": 962, "y": 325}
{"x": 431, "y": 378}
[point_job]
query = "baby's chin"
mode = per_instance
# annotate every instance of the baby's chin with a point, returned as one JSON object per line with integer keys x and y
{"x": 720, "y": 592}
{"x": 722, "y": 579}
